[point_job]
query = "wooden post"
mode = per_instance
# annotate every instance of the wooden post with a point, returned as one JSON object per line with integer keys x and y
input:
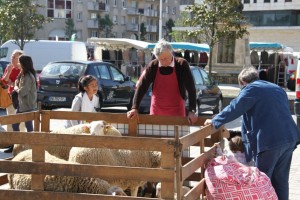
{"x": 132, "y": 126}
{"x": 45, "y": 121}
{"x": 38, "y": 155}
{"x": 178, "y": 152}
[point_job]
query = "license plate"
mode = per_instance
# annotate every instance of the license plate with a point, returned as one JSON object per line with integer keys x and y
{"x": 57, "y": 98}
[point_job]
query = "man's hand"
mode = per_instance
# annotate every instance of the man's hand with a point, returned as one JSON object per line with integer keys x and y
{"x": 132, "y": 113}
{"x": 192, "y": 118}
{"x": 207, "y": 122}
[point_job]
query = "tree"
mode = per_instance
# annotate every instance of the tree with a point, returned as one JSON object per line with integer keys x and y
{"x": 215, "y": 20}
{"x": 105, "y": 25}
{"x": 143, "y": 31}
{"x": 70, "y": 28}
{"x": 180, "y": 36}
{"x": 169, "y": 25}
{"x": 19, "y": 20}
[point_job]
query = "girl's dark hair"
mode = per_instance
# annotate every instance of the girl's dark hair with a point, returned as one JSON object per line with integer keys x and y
{"x": 84, "y": 81}
{"x": 236, "y": 144}
{"x": 27, "y": 65}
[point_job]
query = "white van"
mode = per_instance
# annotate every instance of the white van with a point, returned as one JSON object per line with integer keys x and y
{"x": 45, "y": 51}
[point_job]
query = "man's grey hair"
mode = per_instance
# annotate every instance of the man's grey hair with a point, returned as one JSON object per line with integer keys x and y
{"x": 248, "y": 75}
{"x": 161, "y": 46}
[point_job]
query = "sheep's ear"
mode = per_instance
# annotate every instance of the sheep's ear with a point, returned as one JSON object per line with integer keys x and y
{"x": 86, "y": 129}
{"x": 106, "y": 129}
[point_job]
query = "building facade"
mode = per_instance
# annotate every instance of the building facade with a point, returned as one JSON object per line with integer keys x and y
{"x": 127, "y": 16}
{"x": 274, "y": 21}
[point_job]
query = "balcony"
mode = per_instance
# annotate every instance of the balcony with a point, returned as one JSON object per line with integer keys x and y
{"x": 151, "y": 28}
{"x": 92, "y": 23}
{"x": 95, "y": 6}
{"x": 151, "y": 13}
{"x": 134, "y": 11}
{"x": 132, "y": 27}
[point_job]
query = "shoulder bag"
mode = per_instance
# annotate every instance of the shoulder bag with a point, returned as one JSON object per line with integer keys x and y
{"x": 5, "y": 99}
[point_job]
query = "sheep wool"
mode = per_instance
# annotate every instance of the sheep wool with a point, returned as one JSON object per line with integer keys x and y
{"x": 61, "y": 183}
{"x": 94, "y": 128}
{"x": 116, "y": 157}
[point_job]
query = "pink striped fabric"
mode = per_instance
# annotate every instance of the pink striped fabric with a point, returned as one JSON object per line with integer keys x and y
{"x": 230, "y": 180}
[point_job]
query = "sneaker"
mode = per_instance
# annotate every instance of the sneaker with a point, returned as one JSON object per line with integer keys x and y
{"x": 9, "y": 150}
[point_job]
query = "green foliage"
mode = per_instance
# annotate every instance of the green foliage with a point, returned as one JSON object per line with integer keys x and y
{"x": 70, "y": 28}
{"x": 169, "y": 25}
{"x": 143, "y": 32}
{"x": 181, "y": 36}
{"x": 216, "y": 19}
{"x": 19, "y": 20}
{"x": 105, "y": 25}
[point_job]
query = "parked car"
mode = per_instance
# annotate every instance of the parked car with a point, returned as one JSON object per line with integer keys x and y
{"x": 209, "y": 96}
{"x": 3, "y": 65}
{"x": 58, "y": 83}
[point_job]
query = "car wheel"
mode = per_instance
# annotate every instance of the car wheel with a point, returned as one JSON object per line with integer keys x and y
{"x": 219, "y": 107}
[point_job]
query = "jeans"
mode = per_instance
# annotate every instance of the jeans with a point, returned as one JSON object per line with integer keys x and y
{"x": 28, "y": 124}
{"x": 276, "y": 163}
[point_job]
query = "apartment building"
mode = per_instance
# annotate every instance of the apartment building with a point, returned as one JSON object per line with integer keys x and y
{"x": 126, "y": 15}
{"x": 274, "y": 21}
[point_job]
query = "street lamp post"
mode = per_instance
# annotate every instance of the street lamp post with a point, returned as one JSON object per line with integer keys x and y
{"x": 160, "y": 21}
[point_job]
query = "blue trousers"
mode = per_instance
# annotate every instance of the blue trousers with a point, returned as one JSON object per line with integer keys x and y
{"x": 276, "y": 164}
{"x": 28, "y": 124}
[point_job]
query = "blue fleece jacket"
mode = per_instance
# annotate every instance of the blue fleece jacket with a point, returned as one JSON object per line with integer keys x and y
{"x": 267, "y": 122}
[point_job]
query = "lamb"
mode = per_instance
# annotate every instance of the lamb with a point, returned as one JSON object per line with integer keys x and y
{"x": 61, "y": 183}
{"x": 94, "y": 128}
{"x": 116, "y": 157}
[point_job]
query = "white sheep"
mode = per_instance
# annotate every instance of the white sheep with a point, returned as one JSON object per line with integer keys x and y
{"x": 94, "y": 128}
{"x": 116, "y": 157}
{"x": 61, "y": 183}
{"x": 184, "y": 190}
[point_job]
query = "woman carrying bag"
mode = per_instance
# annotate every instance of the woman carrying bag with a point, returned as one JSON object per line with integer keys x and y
{"x": 26, "y": 87}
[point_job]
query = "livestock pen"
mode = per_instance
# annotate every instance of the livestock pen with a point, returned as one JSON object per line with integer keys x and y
{"x": 142, "y": 133}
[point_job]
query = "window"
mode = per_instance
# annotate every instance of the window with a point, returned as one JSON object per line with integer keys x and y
{"x": 93, "y": 16}
{"x": 197, "y": 77}
{"x": 79, "y": 16}
{"x": 59, "y": 8}
{"x": 94, "y": 34}
{"x": 266, "y": 1}
{"x": 174, "y": 10}
{"x": 123, "y": 4}
{"x": 117, "y": 76}
{"x": 115, "y": 19}
{"x": 103, "y": 71}
{"x": 288, "y": 1}
{"x": 226, "y": 49}
{"x": 254, "y": 1}
{"x": 115, "y": 3}
{"x": 206, "y": 78}
{"x": 246, "y": 1}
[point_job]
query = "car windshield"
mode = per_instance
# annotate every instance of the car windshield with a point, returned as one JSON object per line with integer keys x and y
{"x": 63, "y": 69}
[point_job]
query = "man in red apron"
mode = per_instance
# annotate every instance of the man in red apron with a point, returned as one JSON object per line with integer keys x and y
{"x": 171, "y": 77}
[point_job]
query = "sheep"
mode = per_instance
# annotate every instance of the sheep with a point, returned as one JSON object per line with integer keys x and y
{"x": 61, "y": 183}
{"x": 184, "y": 190}
{"x": 117, "y": 157}
{"x": 94, "y": 128}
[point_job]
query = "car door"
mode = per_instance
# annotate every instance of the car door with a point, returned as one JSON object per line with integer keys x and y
{"x": 105, "y": 82}
{"x": 210, "y": 92}
{"x": 121, "y": 87}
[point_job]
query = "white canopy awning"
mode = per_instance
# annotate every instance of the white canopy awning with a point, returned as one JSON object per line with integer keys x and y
{"x": 118, "y": 43}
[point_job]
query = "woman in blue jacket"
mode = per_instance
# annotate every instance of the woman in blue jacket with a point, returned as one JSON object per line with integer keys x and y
{"x": 269, "y": 132}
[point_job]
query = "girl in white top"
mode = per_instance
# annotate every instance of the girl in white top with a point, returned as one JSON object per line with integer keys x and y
{"x": 87, "y": 99}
